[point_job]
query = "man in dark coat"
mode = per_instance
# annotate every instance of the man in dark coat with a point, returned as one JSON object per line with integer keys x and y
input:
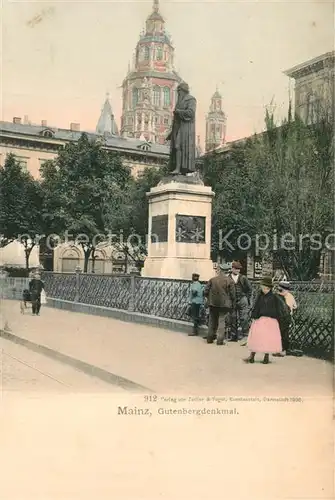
{"x": 240, "y": 313}
{"x": 220, "y": 294}
{"x": 36, "y": 286}
{"x": 182, "y": 135}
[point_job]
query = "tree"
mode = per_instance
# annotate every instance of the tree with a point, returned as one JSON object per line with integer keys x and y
{"x": 21, "y": 200}
{"x": 82, "y": 185}
{"x": 275, "y": 184}
{"x": 130, "y": 222}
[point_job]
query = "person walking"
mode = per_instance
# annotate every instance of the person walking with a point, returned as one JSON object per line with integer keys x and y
{"x": 269, "y": 316}
{"x": 220, "y": 295}
{"x": 284, "y": 292}
{"x": 196, "y": 301}
{"x": 36, "y": 286}
{"x": 240, "y": 313}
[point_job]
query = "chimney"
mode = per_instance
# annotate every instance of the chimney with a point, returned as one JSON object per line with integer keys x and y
{"x": 16, "y": 120}
{"x": 26, "y": 120}
{"x": 44, "y": 123}
{"x": 75, "y": 127}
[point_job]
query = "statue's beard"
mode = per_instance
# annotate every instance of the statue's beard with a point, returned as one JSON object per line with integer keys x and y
{"x": 180, "y": 99}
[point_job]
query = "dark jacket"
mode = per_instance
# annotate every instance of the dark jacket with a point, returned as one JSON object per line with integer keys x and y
{"x": 35, "y": 288}
{"x": 243, "y": 287}
{"x": 271, "y": 305}
{"x": 220, "y": 292}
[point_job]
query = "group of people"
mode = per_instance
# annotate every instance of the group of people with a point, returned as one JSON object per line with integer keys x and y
{"x": 228, "y": 298}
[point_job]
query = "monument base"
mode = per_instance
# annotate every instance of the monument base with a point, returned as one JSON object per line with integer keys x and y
{"x": 179, "y": 229}
{"x": 177, "y": 268}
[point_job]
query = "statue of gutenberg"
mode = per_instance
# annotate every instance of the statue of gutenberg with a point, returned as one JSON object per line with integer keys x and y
{"x": 182, "y": 135}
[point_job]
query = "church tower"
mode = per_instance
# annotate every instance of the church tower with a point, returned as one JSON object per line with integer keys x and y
{"x": 106, "y": 124}
{"x": 149, "y": 89}
{"x": 215, "y": 123}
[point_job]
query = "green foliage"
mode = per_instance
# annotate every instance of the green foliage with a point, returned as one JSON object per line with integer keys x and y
{"x": 131, "y": 220}
{"x": 21, "y": 201}
{"x": 82, "y": 186}
{"x": 278, "y": 182}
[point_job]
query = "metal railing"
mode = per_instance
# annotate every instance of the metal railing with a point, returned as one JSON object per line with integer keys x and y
{"x": 313, "y": 327}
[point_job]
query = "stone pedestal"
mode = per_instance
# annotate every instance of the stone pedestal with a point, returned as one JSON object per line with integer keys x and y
{"x": 179, "y": 229}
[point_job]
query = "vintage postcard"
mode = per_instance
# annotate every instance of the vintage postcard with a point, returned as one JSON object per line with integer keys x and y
{"x": 167, "y": 250}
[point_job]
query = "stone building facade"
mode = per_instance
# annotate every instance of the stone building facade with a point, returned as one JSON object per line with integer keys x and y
{"x": 35, "y": 144}
{"x": 149, "y": 88}
{"x": 314, "y": 87}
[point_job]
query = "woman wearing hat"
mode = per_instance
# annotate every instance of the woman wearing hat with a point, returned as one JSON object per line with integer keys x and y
{"x": 269, "y": 315}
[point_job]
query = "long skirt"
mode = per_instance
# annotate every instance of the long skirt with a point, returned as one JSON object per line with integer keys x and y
{"x": 264, "y": 336}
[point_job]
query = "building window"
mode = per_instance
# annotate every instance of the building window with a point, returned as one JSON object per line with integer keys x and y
{"x": 135, "y": 96}
{"x": 166, "y": 120}
{"x": 167, "y": 100}
{"x": 157, "y": 96}
{"x": 48, "y": 134}
{"x": 146, "y": 53}
{"x": 159, "y": 53}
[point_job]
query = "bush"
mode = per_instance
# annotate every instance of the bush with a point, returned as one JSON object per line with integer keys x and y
{"x": 17, "y": 272}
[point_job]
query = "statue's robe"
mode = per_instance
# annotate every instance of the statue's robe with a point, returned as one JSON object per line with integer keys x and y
{"x": 183, "y": 136}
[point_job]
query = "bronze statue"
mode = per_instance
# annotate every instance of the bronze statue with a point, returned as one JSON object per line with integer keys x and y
{"x": 182, "y": 135}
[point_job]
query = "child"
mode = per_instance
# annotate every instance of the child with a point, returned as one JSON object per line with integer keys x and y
{"x": 196, "y": 301}
{"x": 269, "y": 315}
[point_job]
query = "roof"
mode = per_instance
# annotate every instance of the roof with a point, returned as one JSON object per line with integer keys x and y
{"x": 156, "y": 16}
{"x": 217, "y": 95}
{"x": 106, "y": 123}
{"x": 311, "y": 65}
{"x": 112, "y": 141}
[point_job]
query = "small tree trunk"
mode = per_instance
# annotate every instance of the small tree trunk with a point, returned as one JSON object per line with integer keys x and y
{"x": 93, "y": 260}
{"x": 126, "y": 261}
{"x": 27, "y": 252}
{"x": 86, "y": 258}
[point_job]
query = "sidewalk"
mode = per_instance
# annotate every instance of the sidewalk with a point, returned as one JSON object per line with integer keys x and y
{"x": 167, "y": 361}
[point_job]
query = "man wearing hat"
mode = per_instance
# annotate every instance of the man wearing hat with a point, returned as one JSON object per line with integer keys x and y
{"x": 220, "y": 295}
{"x": 182, "y": 135}
{"x": 243, "y": 291}
{"x": 196, "y": 301}
{"x": 36, "y": 286}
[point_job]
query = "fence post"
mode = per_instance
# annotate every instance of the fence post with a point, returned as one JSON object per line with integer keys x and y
{"x": 131, "y": 306}
{"x": 77, "y": 296}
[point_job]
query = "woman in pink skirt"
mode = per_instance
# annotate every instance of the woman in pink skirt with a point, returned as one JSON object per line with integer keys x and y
{"x": 268, "y": 314}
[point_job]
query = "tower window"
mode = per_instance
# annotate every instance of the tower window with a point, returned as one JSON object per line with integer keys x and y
{"x": 159, "y": 53}
{"x": 157, "y": 96}
{"x": 146, "y": 53}
{"x": 135, "y": 96}
{"x": 167, "y": 99}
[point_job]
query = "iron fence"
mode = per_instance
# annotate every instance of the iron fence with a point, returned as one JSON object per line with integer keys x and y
{"x": 312, "y": 329}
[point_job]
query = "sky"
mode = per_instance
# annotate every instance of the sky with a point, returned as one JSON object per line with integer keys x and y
{"x": 60, "y": 58}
